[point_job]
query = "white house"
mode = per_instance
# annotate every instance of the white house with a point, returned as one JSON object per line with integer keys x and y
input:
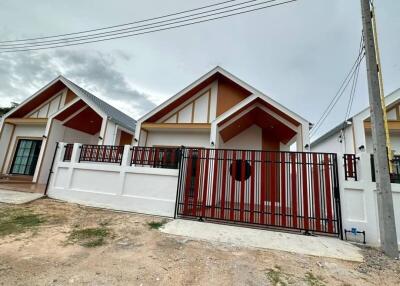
{"x": 60, "y": 111}
{"x": 221, "y": 111}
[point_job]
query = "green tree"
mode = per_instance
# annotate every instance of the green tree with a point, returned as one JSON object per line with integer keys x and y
{"x": 4, "y": 110}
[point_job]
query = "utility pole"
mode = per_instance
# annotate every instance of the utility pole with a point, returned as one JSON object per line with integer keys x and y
{"x": 387, "y": 225}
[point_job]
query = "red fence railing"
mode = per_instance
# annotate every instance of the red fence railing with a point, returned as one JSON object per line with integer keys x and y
{"x": 350, "y": 166}
{"x": 156, "y": 157}
{"x": 68, "y": 152}
{"x": 296, "y": 190}
{"x": 101, "y": 153}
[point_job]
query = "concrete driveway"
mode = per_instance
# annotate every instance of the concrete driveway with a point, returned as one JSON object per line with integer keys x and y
{"x": 259, "y": 238}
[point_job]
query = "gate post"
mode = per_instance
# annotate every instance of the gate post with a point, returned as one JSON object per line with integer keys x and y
{"x": 178, "y": 188}
{"x": 337, "y": 195}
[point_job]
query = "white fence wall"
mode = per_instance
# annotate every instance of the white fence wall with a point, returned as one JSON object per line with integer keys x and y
{"x": 359, "y": 201}
{"x": 108, "y": 185}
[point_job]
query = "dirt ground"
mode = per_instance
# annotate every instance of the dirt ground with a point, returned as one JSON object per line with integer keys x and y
{"x": 52, "y": 243}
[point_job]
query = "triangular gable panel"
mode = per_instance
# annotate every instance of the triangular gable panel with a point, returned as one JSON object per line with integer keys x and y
{"x": 38, "y": 100}
{"x": 52, "y": 105}
{"x": 45, "y": 103}
{"x": 229, "y": 94}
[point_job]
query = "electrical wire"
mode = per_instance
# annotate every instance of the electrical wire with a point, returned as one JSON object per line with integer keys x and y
{"x": 151, "y": 31}
{"x": 133, "y": 29}
{"x": 354, "y": 85}
{"x": 337, "y": 95}
{"x": 120, "y": 25}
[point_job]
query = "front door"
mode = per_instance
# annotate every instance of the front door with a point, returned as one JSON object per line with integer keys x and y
{"x": 26, "y": 156}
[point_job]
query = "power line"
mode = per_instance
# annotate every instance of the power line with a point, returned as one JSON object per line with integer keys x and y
{"x": 120, "y": 25}
{"x": 354, "y": 86}
{"x": 151, "y": 31}
{"x": 134, "y": 28}
{"x": 146, "y": 32}
{"x": 338, "y": 94}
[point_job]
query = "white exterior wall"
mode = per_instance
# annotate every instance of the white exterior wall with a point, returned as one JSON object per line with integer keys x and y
{"x": 4, "y": 141}
{"x": 110, "y": 134}
{"x": 76, "y": 136}
{"x": 359, "y": 201}
{"x": 178, "y": 138}
{"x": 249, "y": 139}
{"x": 114, "y": 186}
{"x": 54, "y": 135}
{"x": 340, "y": 142}
{"x": 22, "y": 131}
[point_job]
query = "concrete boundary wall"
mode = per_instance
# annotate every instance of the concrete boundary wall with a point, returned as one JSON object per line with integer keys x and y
{"x": 114, "y": 186}
{"x": 359, "y": 201}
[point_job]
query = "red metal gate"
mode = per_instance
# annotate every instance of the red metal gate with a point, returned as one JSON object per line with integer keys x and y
{"x": 293, "y": 190}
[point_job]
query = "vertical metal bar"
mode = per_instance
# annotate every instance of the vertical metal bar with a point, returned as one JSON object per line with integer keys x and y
{"x": 355, "y": 168}
{"x": 252, "y": 170}
{"x": 233, "y": 186}
{"x": 242, "y": 184}
{"x": 294, "y": 190}
{"x": 150, "y": 160}
{"x": 188, "y": 183}
{"x": 179, "y": 187}
{"x": 273, "y": 186}
{"x": 337, "y": 196}
{"x": 328, "y": 192}
{"x": 215, "y": 179}
{"x": 263, "y": 186}
{"x": 350, "y": 159}
{"x": 164, "y": 157}
{"x": 156, "y": 155}
{"x": 80, "y": 154}
{"x": 133, "y": 158}
{"x": 317, "y": 208}
{"x": 224, "y": 162}
{"x": 142, "y": 156}
{"x": 196, "y": 182}
{"x": 172, "y": 159}
{"x": 305, "y": 190}
{"x": 91, "y": 152}
{"x": 205, "y": 185}
{"x": 283, "y": 189}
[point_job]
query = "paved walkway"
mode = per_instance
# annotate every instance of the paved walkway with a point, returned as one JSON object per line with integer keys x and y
{"x": 248, "y": 237}
{"x": 13, "y": 197}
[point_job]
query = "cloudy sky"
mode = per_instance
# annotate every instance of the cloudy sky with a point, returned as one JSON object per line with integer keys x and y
{"x": 297, "y": 53}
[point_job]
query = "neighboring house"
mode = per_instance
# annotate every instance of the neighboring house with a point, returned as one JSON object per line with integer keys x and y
{"x": 352, "y": 140}
{"x": 221, "y": 111}
{"x": 354, "y": 135}
{"x": 60, "y": 111}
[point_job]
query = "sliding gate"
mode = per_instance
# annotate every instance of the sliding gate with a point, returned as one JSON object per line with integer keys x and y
{"x": 292, "y": 190}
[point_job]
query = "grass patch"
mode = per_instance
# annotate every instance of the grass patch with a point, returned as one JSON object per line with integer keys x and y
{"x": 156, "y": 224}
{"x": 275, "y": 277}
{"x": 14, "y": 221}
{"x": 89, "y": 237}
{"x": 313, "y": 280}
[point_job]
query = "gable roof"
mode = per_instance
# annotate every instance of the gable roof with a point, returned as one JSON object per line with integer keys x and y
{"x": 390, "y": 99}
{"x": 331, "y": 132}
{"x": 202, "y": 82}
{"x": 111, "y": 112}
